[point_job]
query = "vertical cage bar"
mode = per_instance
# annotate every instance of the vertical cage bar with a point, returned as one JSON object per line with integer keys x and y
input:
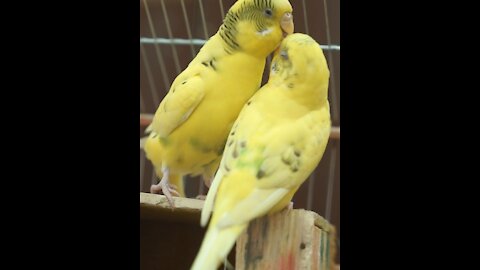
{"x": 331, "y": 180}
{"x": 204, "y": 22}
{"x": 332, "y": 66}
{"x": 170, "y": 35}
{"x": 157, "y": 48}
{"x": 305, "y": 20}
{"x": 189, "y": 31}
{"x": 311, "y": 186}
{"x": 222, "y": 12}
{"x": 151, "y": 81}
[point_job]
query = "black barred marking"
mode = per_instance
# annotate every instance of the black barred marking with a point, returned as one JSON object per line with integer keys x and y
{"x": 260, "y": 174}
{"x": 286, "y": 161}
{"x": 292, "y": 161}
{"x": 243, "y": 144}
{"x": 258, "y": 13}
{"x": 295, "y": 166}
{"x": 184, "y": 82}
{"x": 165, "y": 106}
{"x": 230, "y": 143}
{"x": 226, "y": 168}
{"x": 249, "y": 102}
{"x": 275, "y": 67}
{"x": 235, "y": 152}
{"x": 212, "y": 65}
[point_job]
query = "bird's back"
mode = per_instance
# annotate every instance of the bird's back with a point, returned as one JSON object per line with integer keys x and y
{"x": 202, "y": 136}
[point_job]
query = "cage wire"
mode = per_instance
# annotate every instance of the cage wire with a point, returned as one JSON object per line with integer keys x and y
{"x": 171, "y": 34}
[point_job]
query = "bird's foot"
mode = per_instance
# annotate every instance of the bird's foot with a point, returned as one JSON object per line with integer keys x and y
{"x": 167, "y": 189}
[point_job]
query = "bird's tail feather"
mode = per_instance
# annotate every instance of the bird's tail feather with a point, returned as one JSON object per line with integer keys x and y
{"x": 216, "y": 246}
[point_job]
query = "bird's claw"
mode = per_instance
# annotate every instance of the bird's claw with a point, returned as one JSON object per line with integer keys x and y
{"x": 169, "y": 190}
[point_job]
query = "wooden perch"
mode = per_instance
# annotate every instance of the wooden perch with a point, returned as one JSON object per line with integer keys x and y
{"x": 291, "y": 239}
{"x": 146, "y": 119}
{"x": 156, "y": 207}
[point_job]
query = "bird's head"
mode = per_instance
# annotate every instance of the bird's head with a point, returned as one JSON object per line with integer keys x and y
{"x": 257, "y": 26}
{"x": 300, "y": 58}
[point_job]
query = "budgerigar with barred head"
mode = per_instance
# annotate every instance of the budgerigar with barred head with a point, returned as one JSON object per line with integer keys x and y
{"x": 275, "y": 144}
{"x": 191, "y": 125}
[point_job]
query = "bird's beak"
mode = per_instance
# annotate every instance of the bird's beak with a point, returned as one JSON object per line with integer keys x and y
{"x": 287, "y": 28}
{"x": 287, "y": 24}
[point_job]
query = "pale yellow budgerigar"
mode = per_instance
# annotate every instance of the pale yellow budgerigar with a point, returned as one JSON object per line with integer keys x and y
{"x": 191, "y": 125}
{"x": 275, "y": 144}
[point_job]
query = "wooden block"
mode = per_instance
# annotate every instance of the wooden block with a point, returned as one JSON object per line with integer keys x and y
{"x": 290, "y": 239}
{"x": 170, "y": 239}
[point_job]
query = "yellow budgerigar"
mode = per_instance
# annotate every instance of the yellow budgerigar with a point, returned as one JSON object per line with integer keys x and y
{"x": 274, "y": 145}
{"x": 191, "y": 125}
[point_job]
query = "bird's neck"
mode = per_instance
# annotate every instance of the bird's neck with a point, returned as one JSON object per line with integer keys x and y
{"x": 306, "y": 94}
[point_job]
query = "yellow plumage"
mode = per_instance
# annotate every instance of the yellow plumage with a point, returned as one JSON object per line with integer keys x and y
{"x": 191, "y": 124}
{"x": 275, "y": 144}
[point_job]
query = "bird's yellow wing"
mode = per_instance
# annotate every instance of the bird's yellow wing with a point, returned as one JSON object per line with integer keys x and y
{"x": 180, "y": 102}
{"x": 268, "y": 172}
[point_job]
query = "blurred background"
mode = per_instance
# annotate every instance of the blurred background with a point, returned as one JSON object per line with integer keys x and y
{"x": 173, "y": 31}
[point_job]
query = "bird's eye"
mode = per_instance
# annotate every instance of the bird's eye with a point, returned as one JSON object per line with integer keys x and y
{"x": 268, "y": 12}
